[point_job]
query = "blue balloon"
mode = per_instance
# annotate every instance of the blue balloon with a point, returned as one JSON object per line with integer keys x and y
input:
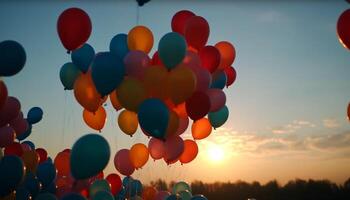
{"x": 172, "y": 49}
{"x": 34, "y": 115}
{"x": 11, "y": 174}
{"x": 12, "y": 58}
{"x": 153, "y": 117}
{"x": 83, "y": 57}
{"x": 46, "y": 196}
{"x": 121, "y": 195}
{"x": 68, "y": 74}
{"x": 107, "y": 72}
{"x": 127, "y": 181}
{"x": 199, "y": 197}
{"x": 103, "y": 195}
{"x": 46, "y": 173}
{"x": 219, "y": 80}
{"x": 119, "y": 45}
{"x": 219, "y": 117}
{"x": 135, "y": 188}
{"x": 32, "y": 184}
{"x": 22, "y": 193}
{"x": 51, "y": 188}
{"x": 73, "y": 196}
{"x": 31, "y": 144}
{"x": 173, "y": 197}
{"x": 24, "y": 135}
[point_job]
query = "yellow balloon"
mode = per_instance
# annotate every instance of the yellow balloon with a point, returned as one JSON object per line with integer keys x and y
{"x": 30, "y": 160}
{"x": 154, "y": 81}
{"x": 140, "y": 38}
{"x": 114, "y": 100}
{"x": 201, "y": 129}
{"x": 131, "y": 93}
{"x": 173, "y": 124}
{"x": 85, "y": 92}
{"x": 128, "y": 122}
{"x": 181, "y": 84}
{"x": 95, "y": 120}
{"x": 139, "y": 155}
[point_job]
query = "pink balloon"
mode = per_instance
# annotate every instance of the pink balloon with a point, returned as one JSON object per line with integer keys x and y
{"x": 217, "y": 99}
{"x": 203, "y": 77}
{"x": 174, "y": 146}
{"x": 19, "y": 124}
{"x": 136, "y": 63}
{"x": 162, "y": 195}
{"x": 7, "y": 136}
{"x": 156, "y": 148}
{"x": 26, "y": 147}
{"x": 122, "y": 162}
{"x": 9, "y": 111}
{"x": 191, "y": 59}
{"x": 183, "y": 125}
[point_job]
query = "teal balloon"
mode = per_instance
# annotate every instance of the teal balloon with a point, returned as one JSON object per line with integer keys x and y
{"x": 83, "y": 57}
{"x": 103, "y": 195}
{"x": 89, "y": 156}
{"x": 68, "y": 74}
{"x": 73, "y": 196}
{"x": 121, "y": 194}
{"x": 24, "y": 135}
{"x": 11, "y": 174}
{"x": 99, "y": 185}
{"x": 119, "y": 45}
{"x": 107, "y": 72}
{"x": 127, "y": 181}
{"x": 219, "y": 117}
{"x": 46, "y": 196}
{"x": 219, "y": 80}
{"x": 34, "y": 115}
{"x": 12, "y": 58}
{"x": 185, "y": 195}
{"x": 136, "y": 188}
{"x": 181, "y": 186}
{"x": 153, "y": 117}
{"x": 199, "y": 197}
{"x": 22, "y": 193}
{"x": 46, "y": 173}
{"x": 172, "y": 49}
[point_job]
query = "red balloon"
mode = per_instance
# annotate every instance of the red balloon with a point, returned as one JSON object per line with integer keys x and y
{"x": 14, "y": 149}
{"x": 122, "y": 162}
{"x": 210, "y": 58}
{"x": 3, "y": 93}
{"x": 156, "y": 60}
{"x": 7, "y": 136}
{"x": 231, "y": 75}
{"x": 156, "y": 148}
{"x": 74, "y": 28}
{"x": 197, "y": 32}
{"x": 116, "y": 183}
{"x": 42, "y": 154}
{"x": 343, "y": 29}
{"x": 198, "y": 105}
{"x": 9, "y": 111}
{"x": 174, "y": 146}
{"x": 179, "y": 20}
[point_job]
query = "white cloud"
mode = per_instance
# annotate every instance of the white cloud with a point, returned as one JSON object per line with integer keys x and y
{"x": 331, "y": 123}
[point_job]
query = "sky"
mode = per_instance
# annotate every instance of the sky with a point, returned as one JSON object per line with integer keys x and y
{"x": 287, "y": 106}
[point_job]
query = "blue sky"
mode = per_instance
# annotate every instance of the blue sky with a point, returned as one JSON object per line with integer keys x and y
{"x": 287, "y": 107}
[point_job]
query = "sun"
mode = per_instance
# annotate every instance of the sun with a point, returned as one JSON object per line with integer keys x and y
{"x": 215, "y": 153}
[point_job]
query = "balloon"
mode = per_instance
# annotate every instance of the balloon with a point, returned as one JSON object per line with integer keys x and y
{"x": 73, "y": 196}
{"x": 19, "y": 124}
{"x": 231, "y": 75}
{"x": 219, "y": 80}
{"x": 181, "y": 84}
{"x": 9, "y": 111}
{"x": 156, "y": 148}
{"x": 83, "y": 57}
{"x": 181, "y": 186}
{"x": 12, "y": 58}
{"x": 179, "y": 20}
{"x": 127, "y": 182}
{"x": 128, "y": 122}
{"x": 349, "y": 112}
{"x": 185, "y": 195}
{"x": 131, "y": 93}
{"x": 173, "y": 197}
{"x": 30, "y": 160}
{"x": 14, "y": 149}
{"x": 203, "y": 77}
{"x": 85, "y": 92}
{"x": 174, "y": 147}
{"x": 201, "y": 129}
{"x": 11, "y": 173}
{"x": 114, "y": 100}
{"x": 119, "y": 45}
{"x": 198, "y": 105}
{"x": 190, "y": 151}
{"x": 136, "y": 63}
{"x": 142, "y": 2}
{"x": 172, "y": 49}
{"x": 180, "y": 110}
{"x": 115, "y": 183}
{"x": 227, "y": 54}
{"x": 156, "y": 60}
{"x": 95, "y": 120}
{"x": 343, "y": 29}
{"x": 7, "y": 136}
{"x": 42, "y": 154}
{"x": 1, "y": 154}
{"x": 99, "y": 185}
{"x": 90, "y": 155}
{"x": 217, "y": 99}
{"x": 136, "y": 188}
{"x": 192, "y": 60}
{"x": 102, "y": 195}
{"x": 161, "y": 195}
{"x": 196, "y": 32}
{"x": 74, "y": 28}
{"x": 26, "y": 147}
{"x": 154, "y": 81}
{"x": 62, "y": 163}
{"x": 34, "y": 115}
{"x": 149, "y": 193}
{"x": 3, "y": 93}
{"x": 183, "y": 124}
{"x": 153, "y": 117}
{"x": 122, "y": 162}
{"x": 29, "y": 144}
{"x": 46, "y": 173}
{"x": 219, "y": 117}
{"x": 22, "y": 193}
{"x": 138, "y": 155}
{"x": 210, "y": 58}
{"x": 24, "y": 135}
{"x": 46, "y": 196}
{"x": 173, "y": 124}
{"x": 121, "y": 195}
{"x": 198, "y": 197}
{"x": 107, "y": 72}
{"x": 140, "y": 38}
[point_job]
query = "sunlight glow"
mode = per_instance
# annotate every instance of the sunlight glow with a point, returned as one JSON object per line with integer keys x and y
{"x": 215, "y": 153}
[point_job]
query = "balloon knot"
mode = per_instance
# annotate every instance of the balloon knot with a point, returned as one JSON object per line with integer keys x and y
{"x": 68, "y": 51}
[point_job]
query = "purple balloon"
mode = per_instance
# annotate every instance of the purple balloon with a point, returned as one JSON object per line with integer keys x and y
{"x": 136, "y": 63}
{"x": 183, "y": 125}
{"x": 7, "y": 136}
{"x": 217, "y": 99}
{"x": 156, "y": 148}
{"x": 9, "y": 111}
{"x": 122, "y": 162}
{"x": 203, "y": 77}
{"x": 174, "y": 146}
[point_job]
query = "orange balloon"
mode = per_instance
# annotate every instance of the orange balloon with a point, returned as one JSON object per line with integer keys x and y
{"x": 62, "y": 163}
{"x": 140, "y": 38}
{"x": 227, "y": 52}
{"x": 173, "y": 124}
{"x": 95, "y": 120}
{"x": 154, "y": 81}
{"x": 128, "y": 122}
{"x": 181, "y": 110}
{"x": 114, "y": 100}
{"x": 131, "y": 93}
{"x": 149, "y": 193}
{"x": 30, "y": 160}
{"x": 85, "y": 92}
{"x": 190, "y": 151}
{"x": 201, "y": 129}
{"x": 181, "y": 84}
{"x": 139, "y": 155}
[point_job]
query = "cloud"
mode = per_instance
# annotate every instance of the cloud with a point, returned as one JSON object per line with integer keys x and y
{"x": 331, "y": 123}
{"x": 293, "y": 127}
{"x": 331, "y": 141}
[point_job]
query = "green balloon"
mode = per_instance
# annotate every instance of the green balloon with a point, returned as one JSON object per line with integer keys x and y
{"x": 185, "y": 195}
{"x": 172, "y": 49}
{"x": 99, "y": 185}
{"x": 181, "y": 186}
{"x": 103, "y": 195}
{"x": 45, "y": 196}
{"x": 219, "y": 117}
{"x": 89, "y": 156}
{"x": 68, "y": 74}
